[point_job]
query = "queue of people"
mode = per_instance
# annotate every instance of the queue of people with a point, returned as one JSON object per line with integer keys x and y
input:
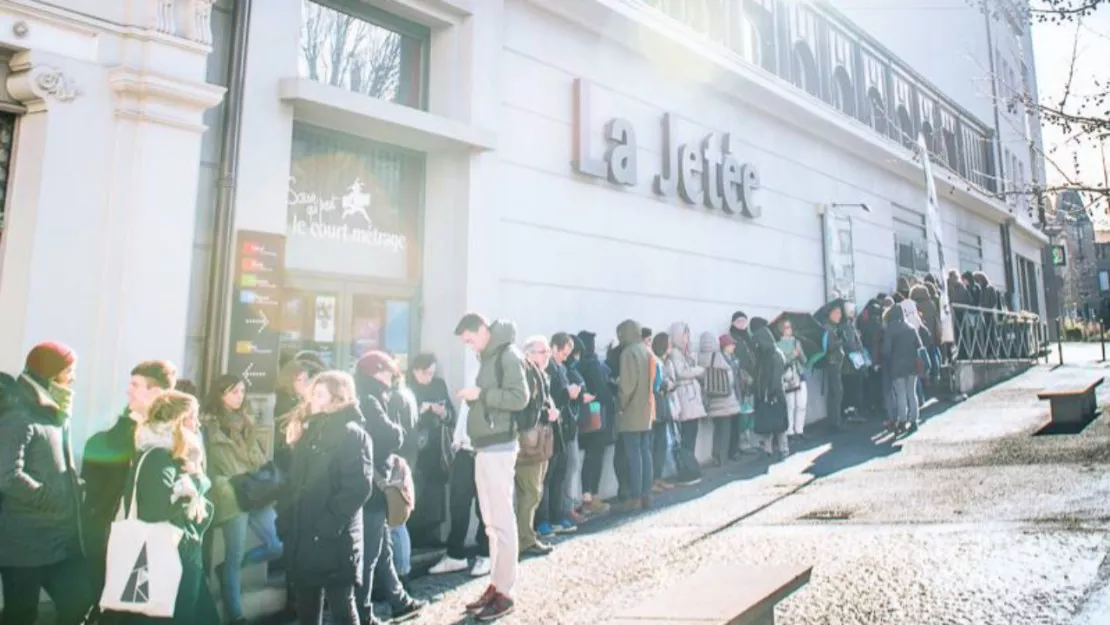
{"x": 360, "y": 468}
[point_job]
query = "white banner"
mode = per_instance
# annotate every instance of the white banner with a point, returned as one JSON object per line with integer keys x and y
{"x": 932, "y": 213}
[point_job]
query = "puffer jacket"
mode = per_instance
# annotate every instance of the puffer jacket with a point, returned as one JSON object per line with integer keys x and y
{"x": 710, "y": 357}
{"x": 681, "y": 366}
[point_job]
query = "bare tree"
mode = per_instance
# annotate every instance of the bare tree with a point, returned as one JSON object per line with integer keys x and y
{"x": 345, "y": 51}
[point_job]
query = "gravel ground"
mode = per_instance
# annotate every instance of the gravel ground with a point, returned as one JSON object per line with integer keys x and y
{"x": 970, "y": 520}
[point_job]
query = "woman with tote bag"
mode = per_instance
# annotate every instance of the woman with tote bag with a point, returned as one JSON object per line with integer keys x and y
{"x": 163, "y": 504}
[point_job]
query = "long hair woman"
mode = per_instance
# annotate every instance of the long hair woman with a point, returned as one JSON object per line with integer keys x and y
{"x": 169, "y": 485}
{"x": 320, "y": 514}
{"x": 236, "y": 446}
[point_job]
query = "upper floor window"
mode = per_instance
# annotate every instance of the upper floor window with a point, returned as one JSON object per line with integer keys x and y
{"x": 345, "y": 43}
{"x": 911, "y": 244}
{"x": 971, "y": 251}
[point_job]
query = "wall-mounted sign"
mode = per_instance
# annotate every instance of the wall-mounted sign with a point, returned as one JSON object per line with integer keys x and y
{"x": 255, "y": 331}
{"x": 351, "y": 205}
{"x": 707, "y": 173}
{"x": 1059, "y": 256}
{"x": 840, "y": 263}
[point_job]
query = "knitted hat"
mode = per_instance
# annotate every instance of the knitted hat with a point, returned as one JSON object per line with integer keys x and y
{"x": 373, "y": 363}
{"x": 725, "y": 340}
{"x": 738, "y": 314}
{"x": 46, "y": 360}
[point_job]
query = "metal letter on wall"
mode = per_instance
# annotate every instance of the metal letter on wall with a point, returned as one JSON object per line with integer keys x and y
{"x": 583, "y": 163}
{"x": 621, "y": 154}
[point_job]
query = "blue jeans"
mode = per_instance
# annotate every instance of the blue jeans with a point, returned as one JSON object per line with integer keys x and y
{"x": 905, "y": 399}
{"x": 402, "y": 550}
{"x": 236, "y": 556}
{"x": 637, "y": 451}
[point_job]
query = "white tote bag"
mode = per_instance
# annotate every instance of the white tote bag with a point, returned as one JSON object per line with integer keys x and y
{"x": 144, "y": 566}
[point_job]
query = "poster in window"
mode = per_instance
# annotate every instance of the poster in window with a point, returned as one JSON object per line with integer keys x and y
{"x": 324, "y": 331}
{"x": 351, "y": 205}
{"x": 840, "y": 266}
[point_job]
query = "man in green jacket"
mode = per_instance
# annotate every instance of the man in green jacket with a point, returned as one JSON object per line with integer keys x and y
{"x": 635, "y": 412}
{"x": 500, "y": 391}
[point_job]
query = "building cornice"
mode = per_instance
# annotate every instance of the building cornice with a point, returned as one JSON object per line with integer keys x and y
{"x": 162, "y": 99}
{"x": 636, "y": 26}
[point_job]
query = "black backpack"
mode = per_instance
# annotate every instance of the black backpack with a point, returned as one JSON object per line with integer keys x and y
{"x": 530, "y": 415}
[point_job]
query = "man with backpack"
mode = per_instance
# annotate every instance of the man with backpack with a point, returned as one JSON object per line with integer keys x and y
{"x": 499, "y": 394}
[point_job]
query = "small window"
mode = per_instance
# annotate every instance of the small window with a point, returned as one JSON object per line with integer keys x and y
{"x": 971, "y": 251}
{"x": 911, "y": 243}
{"x": 345, "y": 43}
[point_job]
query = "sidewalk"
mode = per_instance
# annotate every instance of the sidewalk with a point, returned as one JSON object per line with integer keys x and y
{"x": 970, "y": 520}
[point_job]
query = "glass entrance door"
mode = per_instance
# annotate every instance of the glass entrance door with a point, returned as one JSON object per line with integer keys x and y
{"x": 341, "y": 322}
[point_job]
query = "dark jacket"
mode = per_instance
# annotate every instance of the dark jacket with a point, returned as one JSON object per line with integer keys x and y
{"x": 870, "y": 324}
{"x": 900, "y": 343}
{"x": 105, "y": 466}
{"x": 574, "y": 376}
{"x": 957, "y": 292}
{"x": 568, "y": 408}
{"x": 930, "y": 315}
{"x": 403, "y": 411}
{"x": 490, "y": 421}
{"x": 153, "y": 492}
{"x": 320, "y": 513}
{"x": 596, "y": 375}
{"x": 40, "y": 520}
{"x": 433, "y": 433}
{"x": 386, "y": 435}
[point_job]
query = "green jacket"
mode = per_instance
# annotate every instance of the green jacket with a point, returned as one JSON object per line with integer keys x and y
{"x": 636, "y": 401}
{"x": 490, "y": 421}
{"x": 228, "y": 457}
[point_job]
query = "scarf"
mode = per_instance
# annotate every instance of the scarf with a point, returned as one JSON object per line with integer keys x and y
{"x": 60, "y": 396}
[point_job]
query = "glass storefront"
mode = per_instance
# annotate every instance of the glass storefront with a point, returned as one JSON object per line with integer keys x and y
{"x": 352, "y": 257}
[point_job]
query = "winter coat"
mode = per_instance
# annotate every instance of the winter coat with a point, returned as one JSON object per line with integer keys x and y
{"x": 433, "y": 457}
{"x": 745, "y": 357}
{"x": 386, "y": 435}
{"x": 957, "y": 292}
{"x": 636, "y": 408}
{"x": 710, "y": 357}
{"x": 320, "y": 513}
{"x": 153, "y": 486}
{"x": 682, "y": 367}
{"x": 870, "y": 324}
{"x": 490, "y": 417}
{"x": 229, "y": 455}
{"x": 930, "y": 315}
{"x": 900, "y": 344}
{"x": 569, "y": 409}
{"x": 596, "y": 375}
{"x": 404, "y": 412}
{"x": 975, "y": 293}
{"x": 104, "y": 468}
{"x": 767, "y": 384}
{"x": 40, "y": 522}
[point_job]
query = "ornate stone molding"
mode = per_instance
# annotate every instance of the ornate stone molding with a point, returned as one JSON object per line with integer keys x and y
{"x": 162, "y": 99}
{"x": 38, "y": 85}
{"x": 185, "y": 19}
{"x": 198, "y": 26}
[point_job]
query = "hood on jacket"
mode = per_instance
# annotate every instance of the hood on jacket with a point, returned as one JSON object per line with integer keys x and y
{"x": 589, "y": 342}
{"x": 708, "y": 344}
{"x": 822, "y": 314}
{"x": 895, "y": 315}
{"x": 763, "y": 338}
{"x": 154, "y": 436}
{"x": 629, "y": 332}
{"x": 677, "y": 329}
{"x": 501, "y": 333}
{"x": 981, "y": 279}
{"x": 920, "y": 293}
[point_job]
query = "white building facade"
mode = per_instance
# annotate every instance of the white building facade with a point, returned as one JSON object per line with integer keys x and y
{"x": 411, "y": 160}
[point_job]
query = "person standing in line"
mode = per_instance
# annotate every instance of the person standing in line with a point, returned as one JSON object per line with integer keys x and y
{"x": 596, "y": 423}
{"x": 900, "y": 353}
{"x": 772, "y": 418}
{"x": 552, "y": 516}
{"x": 573, "y": 484}
{"x": 464, "y": 494}
{"x": 493, "y": 401}
{"x": 661, "y": 427}
{"x": 40, "y": 516}
{"x": 403, "y": 411}
{"x": 320, "y": 518}
{"x": 167, "y": 484}
{"x": 107, "y": 460}
{"x": 536, "y": 446}
{"x": 722, "y": 393}
{"x": 635, "y": 412}
{"x": 374, "y": 376}
{"x": 682, "y": 367}
{"x": 431, "y": 466}
{"x": 235, "y": 446}
{"x": 794, "y": 382}
{"x": 831, "y": 360}
{"x": 740, "y": 437}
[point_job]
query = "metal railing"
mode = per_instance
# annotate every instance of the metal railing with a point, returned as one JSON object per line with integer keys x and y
{"x": 986, "y": 335}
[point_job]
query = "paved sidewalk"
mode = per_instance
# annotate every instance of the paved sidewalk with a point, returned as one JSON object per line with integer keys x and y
{"x": 970, "y": 520}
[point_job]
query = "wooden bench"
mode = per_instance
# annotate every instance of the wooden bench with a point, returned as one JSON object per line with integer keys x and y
{"x": 1072, "y": 404}
{"x": 720, "y": 594}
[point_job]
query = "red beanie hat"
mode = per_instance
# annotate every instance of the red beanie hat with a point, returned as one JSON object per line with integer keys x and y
{"x": 46, "y": 360}
{"x": 376, "y": 361}
{"x": 725, "y": 340}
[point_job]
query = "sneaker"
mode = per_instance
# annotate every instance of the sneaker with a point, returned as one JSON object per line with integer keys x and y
{"x": 448, "y": 565}
{"x": 689, "y": 480}
{"x": 409, "y": 610}
{"x": 537, "y": 549}
{"x": 499, "y": 606}
{"x": 475, "y": 607}
{"x": 566, "y": 526}
{"x": 481, "y": 567}
{"x": 545, "y": 530}
{"x": 596, "y": 507}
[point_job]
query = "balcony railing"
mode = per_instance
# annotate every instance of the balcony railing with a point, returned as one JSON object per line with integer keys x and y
{"x": 986, "y": 335}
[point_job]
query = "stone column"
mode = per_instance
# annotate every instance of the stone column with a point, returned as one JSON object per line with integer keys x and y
{"x": 98, "y": 249}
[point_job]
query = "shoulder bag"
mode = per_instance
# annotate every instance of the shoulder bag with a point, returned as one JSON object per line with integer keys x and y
{"x": 143, "y": 565}
{"x": 399, "y": 491}
{"x": 718, "y": 383}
